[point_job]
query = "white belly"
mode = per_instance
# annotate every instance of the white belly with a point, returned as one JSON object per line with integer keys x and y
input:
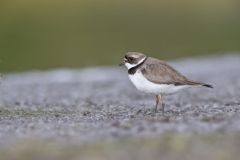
{"x": 142, "y": 84}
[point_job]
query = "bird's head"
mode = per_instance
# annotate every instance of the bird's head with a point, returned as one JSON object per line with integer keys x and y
{"x": 132, "y": 59}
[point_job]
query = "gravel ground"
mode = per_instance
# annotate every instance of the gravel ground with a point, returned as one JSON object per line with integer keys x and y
{"x": 99, "y": 104}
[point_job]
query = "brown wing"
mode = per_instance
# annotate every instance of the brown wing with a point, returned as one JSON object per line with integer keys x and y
{"x": 160, "y": 72}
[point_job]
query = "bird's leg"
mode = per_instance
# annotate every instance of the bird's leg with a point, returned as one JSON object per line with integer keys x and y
{"x": 161, "y": 100}
{"x": 157, "y": 101}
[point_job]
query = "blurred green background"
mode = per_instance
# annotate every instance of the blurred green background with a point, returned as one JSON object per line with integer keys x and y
{"x": 58, "y": 33}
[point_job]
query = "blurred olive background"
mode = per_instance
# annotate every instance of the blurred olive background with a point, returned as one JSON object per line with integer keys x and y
{"x": 47, "y": 34}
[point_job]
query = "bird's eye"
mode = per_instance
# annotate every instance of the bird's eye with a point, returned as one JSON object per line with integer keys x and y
{"x": 130, "y": 58}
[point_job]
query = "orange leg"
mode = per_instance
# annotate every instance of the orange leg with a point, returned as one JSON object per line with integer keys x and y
{"x": 160, "y": 99}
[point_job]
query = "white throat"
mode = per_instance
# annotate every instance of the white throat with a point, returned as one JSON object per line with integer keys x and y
{"x": 128, "y": 65}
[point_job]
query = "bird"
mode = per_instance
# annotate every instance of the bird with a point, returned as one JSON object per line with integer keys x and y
{"x": 151, "y": 75}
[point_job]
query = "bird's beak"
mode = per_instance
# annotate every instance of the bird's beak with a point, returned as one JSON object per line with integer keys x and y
{"x": 123, "y": 62}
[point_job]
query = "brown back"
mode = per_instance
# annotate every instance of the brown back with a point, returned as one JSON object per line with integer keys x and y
{"x": 160, "y": 72}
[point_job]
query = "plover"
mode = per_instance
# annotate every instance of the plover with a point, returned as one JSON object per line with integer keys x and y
{"x": 155, "y": 76}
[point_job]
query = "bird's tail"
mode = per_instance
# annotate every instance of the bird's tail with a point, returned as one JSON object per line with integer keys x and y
{"x": 189, "y": 82}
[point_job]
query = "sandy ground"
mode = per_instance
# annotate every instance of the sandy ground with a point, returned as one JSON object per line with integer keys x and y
{"x": 98, "y": 105}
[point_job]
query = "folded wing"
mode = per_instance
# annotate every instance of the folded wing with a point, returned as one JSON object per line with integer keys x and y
{"x": 160, "y": 72}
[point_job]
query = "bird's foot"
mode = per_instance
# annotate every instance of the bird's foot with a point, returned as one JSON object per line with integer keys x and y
{"x": 156, "y": 111}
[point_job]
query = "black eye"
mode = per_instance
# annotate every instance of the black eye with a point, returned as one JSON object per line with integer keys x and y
{"x": 130, "y": 58}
